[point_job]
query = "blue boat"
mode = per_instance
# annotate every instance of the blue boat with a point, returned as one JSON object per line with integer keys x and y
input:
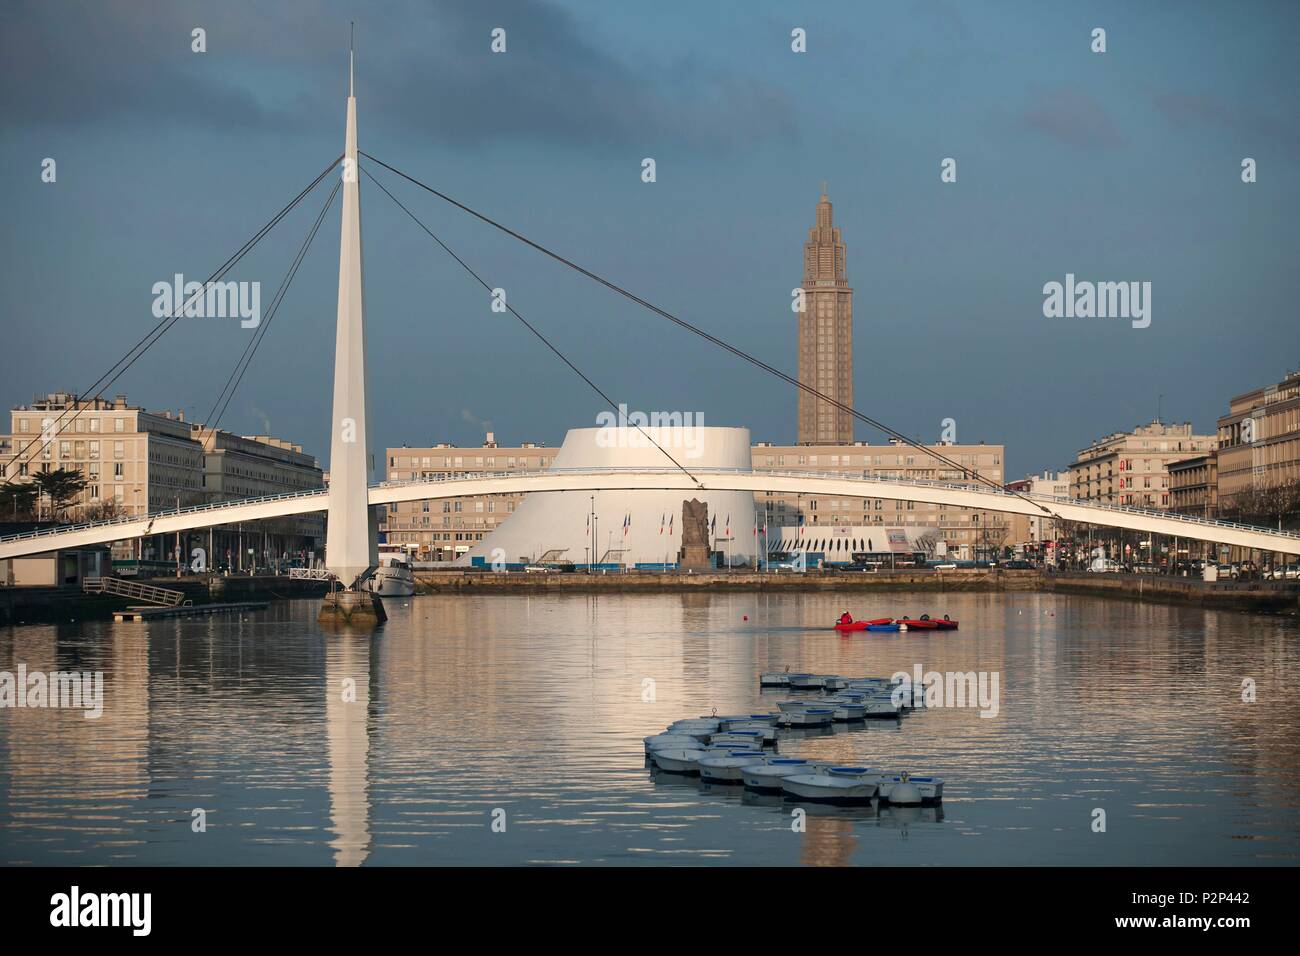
{"x": 882, "y": 627}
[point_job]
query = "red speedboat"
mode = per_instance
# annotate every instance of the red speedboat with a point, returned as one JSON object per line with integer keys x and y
{"x": 927, "y": 623}
{"x": 862, "y": 625}
{"x": 922, "y": 624}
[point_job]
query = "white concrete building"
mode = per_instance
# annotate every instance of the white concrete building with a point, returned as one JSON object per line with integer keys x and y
{"x": 628, "y": 528}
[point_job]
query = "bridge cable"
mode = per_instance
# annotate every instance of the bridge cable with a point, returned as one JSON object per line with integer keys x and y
{"x": 739, "y": 353}
{"x": 165, "y": 325}
{"x": 250, "y": 350}
{"x": 528, "y": 325}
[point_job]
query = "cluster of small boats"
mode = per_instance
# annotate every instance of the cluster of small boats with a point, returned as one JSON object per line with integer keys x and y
{"x": 922, "y": 623}
{"x": 735, "y": 750}
{"x": 843, "y": 698}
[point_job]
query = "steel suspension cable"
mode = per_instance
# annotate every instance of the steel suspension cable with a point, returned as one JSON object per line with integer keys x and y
{"x": 720, "y": 343}
{"x": 250, "y": 350}
{"x": 158, "y": 331}
{"x": 528, "y": 325}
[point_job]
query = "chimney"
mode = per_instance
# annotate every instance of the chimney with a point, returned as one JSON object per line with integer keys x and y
{"x": 491, "y": 441}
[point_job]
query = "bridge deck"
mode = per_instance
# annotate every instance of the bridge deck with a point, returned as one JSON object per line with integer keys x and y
{"x": 646, "y": 479}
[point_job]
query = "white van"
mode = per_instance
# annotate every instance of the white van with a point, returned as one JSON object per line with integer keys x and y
{"x": 1104, "y": 565}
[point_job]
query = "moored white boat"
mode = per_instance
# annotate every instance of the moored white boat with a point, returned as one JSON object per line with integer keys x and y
{"x": 807, "y": 681}
{"x": 677, "y": 761}
{"x": 881, "y": 707}
{"x": 861, "y": 774}
{"x": 848, "y": 710}
{"x": 729, "y": 722}
{"x": 767, "y": 776}
{"x": 393, "y": 577}
{"x": 766, "y": 731}
{"x": 700, "y": 729}
{"x": 930, "y": 788}
{"x": 789, "y": 706}
{"x": 726, "y": 768}
{"x": 829, "y": 788}
{"x": 774, "y": 679}
{"x": 741, "y": 738}
{"x": 669, "y": 741}
{"x": 807, "y": 717}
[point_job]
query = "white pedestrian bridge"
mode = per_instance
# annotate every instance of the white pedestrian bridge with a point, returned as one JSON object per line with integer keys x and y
{"x": 649, "y": 479}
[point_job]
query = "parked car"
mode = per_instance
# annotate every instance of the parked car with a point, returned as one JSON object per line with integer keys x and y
{"x": 1289, "y": 572}
{"x": 1228, "y": 571}
{"x": 1104, "y": 566}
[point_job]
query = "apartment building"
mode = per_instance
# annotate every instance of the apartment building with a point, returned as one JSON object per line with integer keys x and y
{"x": 1259, "y": 440}
{"x": 442, "y": 530}
{"x": 967, "y": 534}
{"x": 1132, "y": 468}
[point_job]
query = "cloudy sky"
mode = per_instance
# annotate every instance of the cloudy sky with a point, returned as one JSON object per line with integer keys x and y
{"x": 1122, "y": 166}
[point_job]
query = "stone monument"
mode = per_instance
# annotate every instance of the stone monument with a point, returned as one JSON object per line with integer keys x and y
{"x": 694, "y": 552}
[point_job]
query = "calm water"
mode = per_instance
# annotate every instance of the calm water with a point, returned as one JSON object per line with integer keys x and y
{"x": 534, "y": 706}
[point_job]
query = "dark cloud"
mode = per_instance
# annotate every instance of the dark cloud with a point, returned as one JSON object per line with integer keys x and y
{"x": 1206, "y": 109}
{"x": 279, "y": 66}
{"x": 1072, "y": 117}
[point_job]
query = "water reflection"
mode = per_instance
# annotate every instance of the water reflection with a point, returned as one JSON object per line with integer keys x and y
{"x": 534, "y": 707}
{"x": 347, "y": 717}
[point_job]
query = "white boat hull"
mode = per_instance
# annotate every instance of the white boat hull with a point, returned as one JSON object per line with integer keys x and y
{"x": 931, "y": 787}
{"x": 669, "y": 742}
{"x": 767, "y": 777}
{"x": 677, "y": 761}
{"x": 392, "y": 582}
{"x": 727, "y": 769}
{"x": 810, "y": 717}
{"x": 826, "y": 788}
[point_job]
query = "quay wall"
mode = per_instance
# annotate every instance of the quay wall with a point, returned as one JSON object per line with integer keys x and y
{"x": 53, "y": 605}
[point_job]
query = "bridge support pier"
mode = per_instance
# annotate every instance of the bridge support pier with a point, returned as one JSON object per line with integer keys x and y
{"x": 352, "y": 608}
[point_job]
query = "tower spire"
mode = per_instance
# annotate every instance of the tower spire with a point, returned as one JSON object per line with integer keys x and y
{"x": 352, "y": 36}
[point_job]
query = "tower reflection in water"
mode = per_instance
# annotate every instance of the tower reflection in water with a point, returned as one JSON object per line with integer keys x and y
{"x": 347, "y": 720}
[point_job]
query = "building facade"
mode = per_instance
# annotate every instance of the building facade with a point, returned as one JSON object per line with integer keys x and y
{"x": 1259, "y": 441}
{"x": 825, "y": 335}
{"x": 966, "y": 534}
{"x": 1132, "y": 468}
{"x": 136, "y": 462}
{"x": 1194, "y": 486}
{"x": 1035, "y": 530}
{"x": 444, "y": 530}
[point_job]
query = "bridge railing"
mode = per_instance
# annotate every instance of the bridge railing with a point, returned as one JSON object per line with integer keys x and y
{"x": 906, "y": 482}
{"x": 479, "y": 476}
{"x": 153, "y": 515}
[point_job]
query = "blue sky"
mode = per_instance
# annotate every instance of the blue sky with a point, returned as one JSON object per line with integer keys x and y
{"x": 1116, "y": 166}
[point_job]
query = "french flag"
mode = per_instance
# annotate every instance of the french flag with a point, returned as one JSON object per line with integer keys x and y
{"x": 713, "y": 526}
{"x": 588, "y": 526}
{"x": 670, "y": 523}
{"x": 627, "y": 523}
{"x": 801, "y": 525}
{"x": 662, "y": 519}
{"x": 727, "y": 533}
